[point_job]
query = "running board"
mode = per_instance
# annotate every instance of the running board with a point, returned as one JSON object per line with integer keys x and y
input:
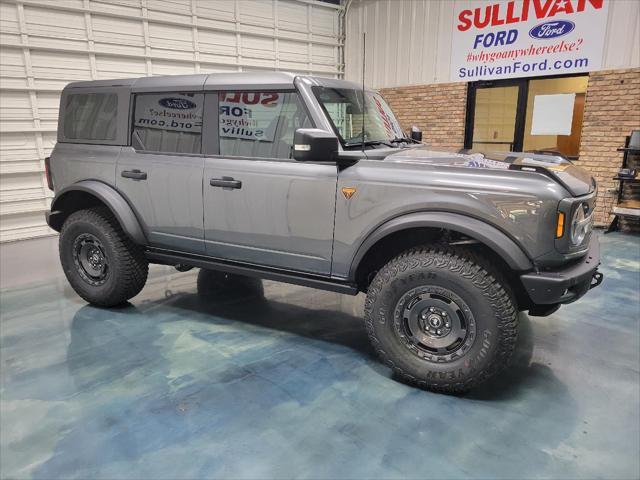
{"x": 169, "y": 257}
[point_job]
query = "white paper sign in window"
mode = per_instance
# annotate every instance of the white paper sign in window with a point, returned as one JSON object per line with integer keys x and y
{"x": 553, "y": 114}
{"x": 250, "y": 115}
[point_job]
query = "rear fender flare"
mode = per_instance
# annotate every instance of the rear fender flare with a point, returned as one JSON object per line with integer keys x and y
{"x": 111, "y": 198}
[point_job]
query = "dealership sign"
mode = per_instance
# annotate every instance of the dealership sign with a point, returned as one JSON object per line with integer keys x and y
{"x": 527, "y": 38}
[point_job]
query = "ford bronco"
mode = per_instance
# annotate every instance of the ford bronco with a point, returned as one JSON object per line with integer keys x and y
{"x": 312, "y": 181}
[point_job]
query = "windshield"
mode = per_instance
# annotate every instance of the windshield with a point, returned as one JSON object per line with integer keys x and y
{"x": 344, "y": 107}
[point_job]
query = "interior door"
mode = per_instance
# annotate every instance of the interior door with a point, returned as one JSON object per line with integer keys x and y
{"x": 161, "y": 174}
{"x": 495, "y": 115}
{"x": 260, "y": 205}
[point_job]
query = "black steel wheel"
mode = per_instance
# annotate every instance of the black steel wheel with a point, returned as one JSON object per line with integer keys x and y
{"x": 434, "y": 323}
{"x": 90, "y": 259}
{"x": 441, "y": 318}
{"x": 101, "y": 263}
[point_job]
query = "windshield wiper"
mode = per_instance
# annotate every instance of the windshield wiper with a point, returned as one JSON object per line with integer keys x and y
{"x": 368, "y": 142}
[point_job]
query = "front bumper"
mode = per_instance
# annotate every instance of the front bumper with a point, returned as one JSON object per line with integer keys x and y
{"x": 565, "y": 284}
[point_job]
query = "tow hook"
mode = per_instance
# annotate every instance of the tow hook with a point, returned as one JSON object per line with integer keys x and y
{"x": 596, "y": 279}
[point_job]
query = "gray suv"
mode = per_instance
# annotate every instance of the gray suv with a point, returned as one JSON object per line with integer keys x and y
{"x": 312, "y": 181}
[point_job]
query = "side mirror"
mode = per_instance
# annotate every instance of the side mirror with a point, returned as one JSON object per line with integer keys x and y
{"x": 314, "y": 145}
{"x": 416, "y": 133}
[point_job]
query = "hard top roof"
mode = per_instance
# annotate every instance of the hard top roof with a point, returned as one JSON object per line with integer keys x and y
{"x": 215, "y": 81}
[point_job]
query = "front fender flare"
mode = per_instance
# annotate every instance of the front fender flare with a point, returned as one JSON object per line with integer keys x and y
{"x": 111, "y": 198}
{"x": 479, "y": 230}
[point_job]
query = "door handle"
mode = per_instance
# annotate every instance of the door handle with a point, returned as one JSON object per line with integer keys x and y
{"x": 135, "y": 174}
{"x": 225, "y": 182}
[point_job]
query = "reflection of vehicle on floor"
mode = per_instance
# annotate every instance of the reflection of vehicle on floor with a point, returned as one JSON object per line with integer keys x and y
{"x": 312, "y": 181}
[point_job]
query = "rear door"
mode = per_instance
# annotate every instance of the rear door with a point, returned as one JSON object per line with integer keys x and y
{"x": 260, "y": 205}
{"x": 161, "y": 173}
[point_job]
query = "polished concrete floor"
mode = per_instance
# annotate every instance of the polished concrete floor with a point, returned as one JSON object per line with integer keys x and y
{"x": 275, "y": 381}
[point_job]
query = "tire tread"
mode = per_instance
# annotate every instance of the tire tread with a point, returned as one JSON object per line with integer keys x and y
{"x": 134, "y": 266}
{"x": 468, "y": 265}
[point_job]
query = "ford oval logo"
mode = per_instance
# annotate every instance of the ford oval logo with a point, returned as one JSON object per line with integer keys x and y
{"x": 552, "y": 29}
{"x": 177, "y": 103}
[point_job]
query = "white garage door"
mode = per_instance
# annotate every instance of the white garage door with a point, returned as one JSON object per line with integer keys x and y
{"x": 45, "y": 44}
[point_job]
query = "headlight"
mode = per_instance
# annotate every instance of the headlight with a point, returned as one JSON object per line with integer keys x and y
{"x": 580, "y": 224}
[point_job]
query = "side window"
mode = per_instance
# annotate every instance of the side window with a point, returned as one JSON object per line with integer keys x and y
{"x": 168, "y": 122}
{"x": 91, "y": 116}
{"x": 260, "y": 124}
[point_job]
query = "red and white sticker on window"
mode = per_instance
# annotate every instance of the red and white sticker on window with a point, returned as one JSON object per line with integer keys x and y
{"x": 250, "y": 115}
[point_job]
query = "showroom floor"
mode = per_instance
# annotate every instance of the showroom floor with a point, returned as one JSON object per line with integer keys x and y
{"x": 187, "y": 383}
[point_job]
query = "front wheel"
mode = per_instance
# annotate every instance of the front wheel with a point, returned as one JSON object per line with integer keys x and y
{"x": 441, "y": 319}
{"x": 101, "y": 263}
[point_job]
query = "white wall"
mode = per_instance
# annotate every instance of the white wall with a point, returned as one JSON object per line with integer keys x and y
{"x": 46, "y": 44}
{"x": 409, "y": 41}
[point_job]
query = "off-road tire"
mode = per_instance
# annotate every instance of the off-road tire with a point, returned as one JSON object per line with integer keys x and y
{"x": 127, "y": 266}
{"x": 471, "y": 281}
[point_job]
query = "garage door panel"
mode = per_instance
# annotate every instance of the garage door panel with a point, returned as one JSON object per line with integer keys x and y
{"x": 46, "y": 22}
{"x": 13, "y": 71}
{"x": 60, "y": 65}
{"x": 256, "y": 12}
{"x": 324, "y": 22}
{"x": 17, "y": 147}
{"x": 171, "y": 68}
{"x": 131, "y": 8}
{"x": 65, "y": 44}
{"x": 15, "y": 106}
{"x": 49, "y": 141}
{"x": 48, "y": 103}
{"x": 119, "y": 67}
{"x": 221, "y": 43}
{"x": 221, "y": 12}
{"x": 217, "y": 68}
{"x": 117, "y": 31}
{"x": 324, "y": 54}
{"x": 9, "y": 18}
{"x": 171, "y": 37}
{"x": 170, "y": 10}
{"x": 122, "y": 51}
{"x": 258, "y": 47}
{"x": 71, "y": 40}
{"x": 22, "y": 185}
{"x": 170, "y": 54}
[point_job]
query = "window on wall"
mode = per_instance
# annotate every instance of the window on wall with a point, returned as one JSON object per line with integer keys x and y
{"x": 531, "y": 115}
{"x": 168, "y": 122}
{"x": 560, "y": 100}
{"x": 259, "y": 124}
{"x": 91, "y": 116}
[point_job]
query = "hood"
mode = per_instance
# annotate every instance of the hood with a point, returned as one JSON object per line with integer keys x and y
{"x": 575, "y": 179}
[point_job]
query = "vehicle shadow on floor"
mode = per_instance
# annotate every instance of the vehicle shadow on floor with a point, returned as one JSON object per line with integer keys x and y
{"x": 242, "y": 299}
{"x": 228, "y": 300}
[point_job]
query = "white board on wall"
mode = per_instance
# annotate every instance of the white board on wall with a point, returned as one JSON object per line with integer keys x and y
{"x": 553, "y": 114}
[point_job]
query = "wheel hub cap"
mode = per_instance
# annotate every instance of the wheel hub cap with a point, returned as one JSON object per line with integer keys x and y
{"x": 434, "y": 323}
{"x": 90, "y": 260}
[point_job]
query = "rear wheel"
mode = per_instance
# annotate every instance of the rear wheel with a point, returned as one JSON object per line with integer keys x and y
{"x": 441, "y": 319}
{"x": 101, "y": 263}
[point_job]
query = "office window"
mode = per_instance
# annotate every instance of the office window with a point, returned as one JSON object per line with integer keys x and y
{"x": 260, "y": 124}
{"x": 168, "y": 122}
{"x": 91, "y": 116}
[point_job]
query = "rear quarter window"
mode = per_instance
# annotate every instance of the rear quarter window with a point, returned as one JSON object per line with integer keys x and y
{"x": 91, "y": 116}
{"x": 169, "y": 122}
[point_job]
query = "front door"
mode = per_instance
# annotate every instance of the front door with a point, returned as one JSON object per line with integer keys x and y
{"x": 260, "y": 205}
{"x": 161, "y": 173}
